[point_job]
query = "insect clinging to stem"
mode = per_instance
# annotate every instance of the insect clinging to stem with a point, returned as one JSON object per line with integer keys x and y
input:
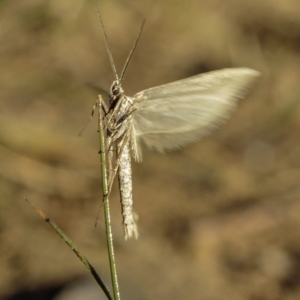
{"x": 165, "y": 117}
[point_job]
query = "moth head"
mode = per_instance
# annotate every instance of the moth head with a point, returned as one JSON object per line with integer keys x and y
{"x": 116, "y": 91}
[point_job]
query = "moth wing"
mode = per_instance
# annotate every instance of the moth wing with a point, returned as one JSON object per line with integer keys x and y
{"x": 173, "y": 115}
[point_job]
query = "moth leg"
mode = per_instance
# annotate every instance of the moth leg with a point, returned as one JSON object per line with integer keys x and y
{"x": 118, "y": 128}
{"x": 101, "y": 108}
{"x": 109, "y": 141}
{"x": 112, "y": 112}
{"x": 116, "y": 109}
{"x": 102, "y": 104}
{"x": 110, "y": 152}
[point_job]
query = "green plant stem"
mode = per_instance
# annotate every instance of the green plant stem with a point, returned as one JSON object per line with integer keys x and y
{"x": 68, "y": 241}
{"x": 105, "y": 193}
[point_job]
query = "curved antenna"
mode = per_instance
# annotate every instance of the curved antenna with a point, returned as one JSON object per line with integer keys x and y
{"x": 131, "y": 52}
{"x": 106, "y": 45}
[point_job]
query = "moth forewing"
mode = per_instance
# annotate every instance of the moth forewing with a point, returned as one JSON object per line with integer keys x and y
{"x": 175, "y": 114}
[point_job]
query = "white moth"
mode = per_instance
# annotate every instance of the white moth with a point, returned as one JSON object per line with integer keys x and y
{"x": 167, "y": 117}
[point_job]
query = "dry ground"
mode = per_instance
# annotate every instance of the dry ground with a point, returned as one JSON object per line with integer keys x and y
{"x": 219, "y": 219}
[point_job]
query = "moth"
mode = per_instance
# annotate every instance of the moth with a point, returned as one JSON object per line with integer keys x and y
{"x": 165, "y": 117}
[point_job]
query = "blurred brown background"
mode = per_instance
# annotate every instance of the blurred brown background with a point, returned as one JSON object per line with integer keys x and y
{"x": 218, "y": 219}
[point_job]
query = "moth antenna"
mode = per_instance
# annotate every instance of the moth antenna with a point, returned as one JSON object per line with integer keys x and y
{"x": 131, "y": 52}
{"x": 106, "y": 44}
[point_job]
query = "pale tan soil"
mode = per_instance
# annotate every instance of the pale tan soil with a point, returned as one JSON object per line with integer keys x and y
{"x": 219, "y": 219}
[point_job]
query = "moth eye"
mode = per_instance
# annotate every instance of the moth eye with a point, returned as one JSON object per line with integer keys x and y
{"x": 116, "y": 91}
